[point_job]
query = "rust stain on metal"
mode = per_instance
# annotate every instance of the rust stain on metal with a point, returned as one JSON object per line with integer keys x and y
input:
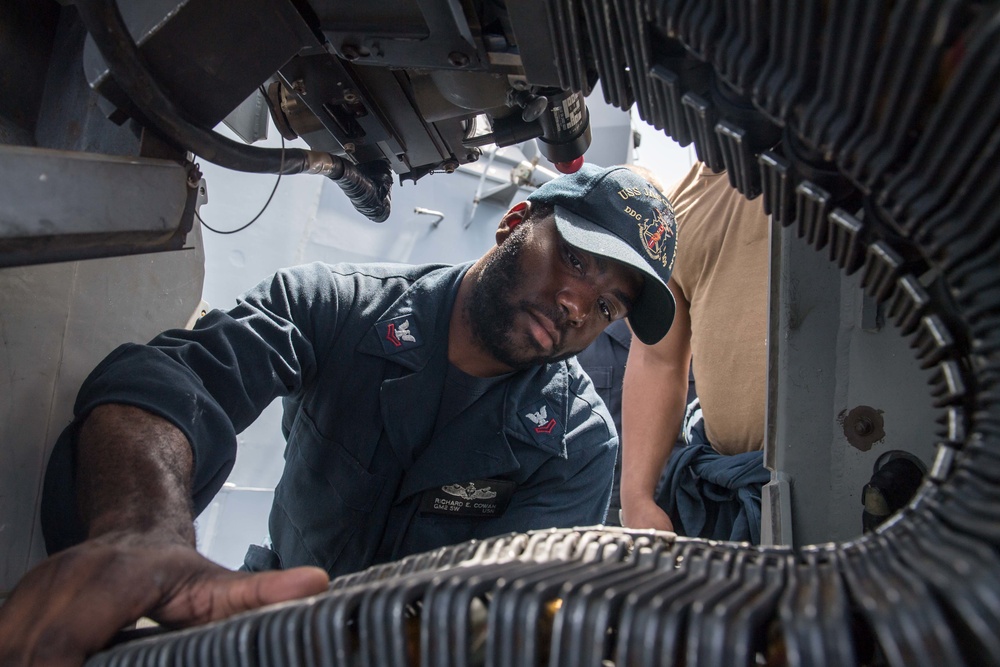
{"x": 863, "y": 427}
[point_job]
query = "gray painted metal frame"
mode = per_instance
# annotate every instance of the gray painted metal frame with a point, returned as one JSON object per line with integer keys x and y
{"x": 827, "y": 356}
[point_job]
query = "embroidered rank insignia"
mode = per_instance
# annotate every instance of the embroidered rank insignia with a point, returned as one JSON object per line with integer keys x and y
{"x": 541, "y": 423}
{"x": 478, "y": 498}
{"x": 398, "y": 334}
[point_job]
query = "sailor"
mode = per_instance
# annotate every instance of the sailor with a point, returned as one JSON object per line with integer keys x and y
{"x": 711, "y": 486}
{"x": 423, "y": 406}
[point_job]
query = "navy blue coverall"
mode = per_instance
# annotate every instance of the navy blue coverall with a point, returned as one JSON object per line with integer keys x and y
{"x": 604, "y": 361}
{"x": 360, "y": 354}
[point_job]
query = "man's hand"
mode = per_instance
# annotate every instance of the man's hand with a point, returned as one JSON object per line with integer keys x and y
{"x": 646, "y": 514}
{"x": 72, "y": 604}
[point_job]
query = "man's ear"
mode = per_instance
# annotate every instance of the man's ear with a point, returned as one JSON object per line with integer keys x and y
{"x": 511, "y": 219}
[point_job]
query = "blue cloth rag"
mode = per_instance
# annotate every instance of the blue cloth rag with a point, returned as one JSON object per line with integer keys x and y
{"x": 712, "y": 495}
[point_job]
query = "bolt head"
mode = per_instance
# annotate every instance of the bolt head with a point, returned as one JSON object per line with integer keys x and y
{"x": 458, "y": 59}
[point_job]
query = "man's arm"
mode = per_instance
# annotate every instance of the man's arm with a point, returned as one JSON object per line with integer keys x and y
{"x": 134, "y": 471}
{"x": 654, "y": 396}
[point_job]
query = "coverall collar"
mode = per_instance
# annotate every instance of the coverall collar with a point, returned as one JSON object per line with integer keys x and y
{"x": 425, "y": 309}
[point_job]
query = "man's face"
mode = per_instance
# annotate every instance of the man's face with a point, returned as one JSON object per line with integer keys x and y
{"x": 539, "y": 299}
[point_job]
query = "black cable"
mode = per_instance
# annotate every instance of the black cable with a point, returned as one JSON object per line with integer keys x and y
{"x": 368, "y": 185}
{"x": 260, "y": 213}
{"x": 107, "y": 28}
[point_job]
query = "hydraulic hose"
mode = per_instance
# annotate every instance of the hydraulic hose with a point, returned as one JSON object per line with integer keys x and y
{"x": 367, "y": 187}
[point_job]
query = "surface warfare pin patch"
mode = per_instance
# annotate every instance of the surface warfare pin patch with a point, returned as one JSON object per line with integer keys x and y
{"x": 478, "y": 498}
{"x": 398, "y": 334}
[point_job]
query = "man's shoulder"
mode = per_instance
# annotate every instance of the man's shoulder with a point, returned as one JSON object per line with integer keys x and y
{"x": 368, "y": 270}
{"x": 579, "y": 381}
{"x": 345, "y": 279}
{"x": 588, "y": 420}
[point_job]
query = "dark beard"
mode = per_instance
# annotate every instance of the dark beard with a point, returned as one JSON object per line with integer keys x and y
{"x": 491, "y": 313}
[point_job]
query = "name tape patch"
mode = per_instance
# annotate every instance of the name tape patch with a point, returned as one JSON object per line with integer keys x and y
{"x": 478, "y": 498}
